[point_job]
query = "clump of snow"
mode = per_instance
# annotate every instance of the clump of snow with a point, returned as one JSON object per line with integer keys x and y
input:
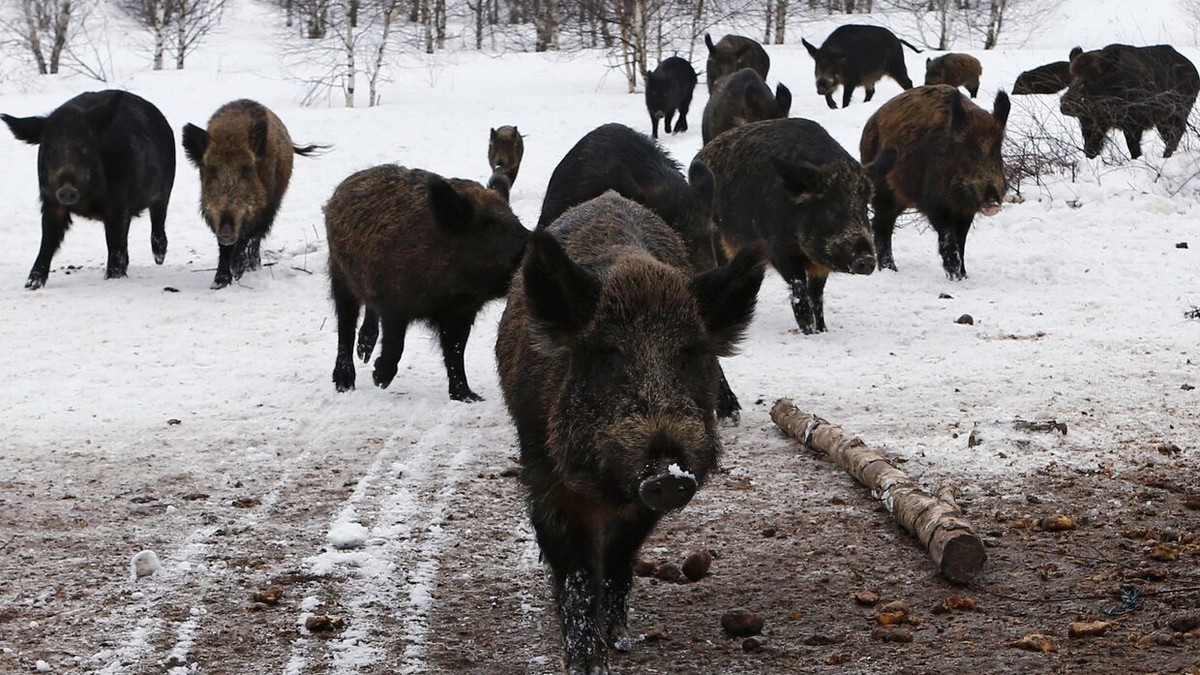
{"x": 143, "y": 564}
{"x": 678, "y": 472}
{"x": 42, "y": 666}
{"x": 347, "y": 535}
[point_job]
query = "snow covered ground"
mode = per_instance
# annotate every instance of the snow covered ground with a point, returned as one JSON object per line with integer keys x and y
{"x": 121, "y": 389}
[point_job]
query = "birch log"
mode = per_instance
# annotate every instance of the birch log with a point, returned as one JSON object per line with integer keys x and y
{"x": 936, "y": 520}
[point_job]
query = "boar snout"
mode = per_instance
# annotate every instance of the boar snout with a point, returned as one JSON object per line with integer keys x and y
{"x": 226, "y": 232}
{"x": 667, "y": 491}
{"x": 67, "y": 195}
{"x": 824, "y": 87}
{"x": 863, "y": 265}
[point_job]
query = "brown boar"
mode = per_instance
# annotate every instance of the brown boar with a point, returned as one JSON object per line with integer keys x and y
{"x": 742, "y": 98}
{"x": 245, "y": 163}
{"x": 948, "y": 167}
{"x": 607, "y": 354}
{"x": 413, "y": 246}
{"x": 956, "y": 70}
{"x": 732, "y": 53}
{"x": 506, "y": 147}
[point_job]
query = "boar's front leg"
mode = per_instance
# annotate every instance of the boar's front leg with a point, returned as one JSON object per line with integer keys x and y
{"x": 116, "y": 235}
{"x": 946, "y": 227}
{"x": 1172, "y": 131}
{"x": 681, "y": 124}
{"x": 253, "y": 255}
{"x": 1133, "y": 139}
{"x": 830, "y": 102}
{"x": 791, "y": 268}
{"x": 728, "y": 407}
{"x": 224, "y": 275}
{"x": 883, "y": 224}
{"x": 621, "y": 548}
{"x": 566, "y": 548}
{"x": 816, "y": 293}
{"x": 55, "y": 221}
{"x": 962, "y": 227}
{"x": 668, "y": 127}
{"x": 654, "y": 126}
{"x": 453, "y": 332}
{"x": 848, "y": 92}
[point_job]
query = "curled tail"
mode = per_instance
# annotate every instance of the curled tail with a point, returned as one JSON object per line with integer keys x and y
{"x": 311, "y": 149}
{"x": 907, "y": 44}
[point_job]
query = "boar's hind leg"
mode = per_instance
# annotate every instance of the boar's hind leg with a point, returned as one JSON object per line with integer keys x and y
{"x": 224, "y": 275}
{"x": 1172, "y": 132}
{"x": 368, "y": 335}
{"x": 619, "y": 554}
{"x": 883, "y": 224}
{"x": 654, "y": 126}
{"x": 394, "y": 329}
{"x": 728, "y": 407}
{"x": 667, "y": 126}
{"x": 55, "y": 221}
{"x": 566, "y": 548}
{"x": 848, "y": 92}
{"x": 116, "y": 235}
{"x": 453, "y": 332}
{"x": 345, "y": 305}
{"x": 158, "y": 232}
{"x": 1133, "y": 139}
{"x": 253, "y": 255}
{"x": 681, "y": 124}
{"x": 870, "y": 93}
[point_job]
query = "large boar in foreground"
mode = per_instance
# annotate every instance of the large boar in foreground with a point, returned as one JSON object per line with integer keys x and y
{"x": 742, "y": 98}
{"x": 413, "y": 246}
{"x": 858, "y": 56}
{"x": 949, "y": 167}
{"x": 731, "y": 54}
{"x": 607, "y": 354}
{"x": 669, "y": 89}
{"x": 956, "y": 70}
{"x": 107, "y": 156}
{"x": 1048, "y": 79}
{"x": 245, "y": 163}
{"x": 1131, "y": 89}
{"x": 788, "y": 185}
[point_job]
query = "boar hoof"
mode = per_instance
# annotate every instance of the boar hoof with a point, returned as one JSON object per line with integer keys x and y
{"x": 366, "y": 343}
{"x": 343, "y": 377}
{"x": 886, "y": 262}
{"x": 466, "y": 396}
{"x": 808, "y": 328}
{"x": 35, "y": 281}
{"x": 620, "y": 640}
{"x": 383, "y": 374}
{"x": 221, "y": 281}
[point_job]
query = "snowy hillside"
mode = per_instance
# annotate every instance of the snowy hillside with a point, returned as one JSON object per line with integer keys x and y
{"x": 154, "y": 413}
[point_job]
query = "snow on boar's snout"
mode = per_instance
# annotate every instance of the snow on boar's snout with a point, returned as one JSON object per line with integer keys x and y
{"x": 607, "y": 354}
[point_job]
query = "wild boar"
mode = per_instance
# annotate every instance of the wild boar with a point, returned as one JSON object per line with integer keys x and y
{"x": 107, "y": 156}
{"x": 742, "y": 98}
{"x": 245, "y": 163}
{"x": 949, "y": 167}
{"x": 956, "y": 70}
{"x": 506, "y": 147}
{"x": 1048, "y": 79}
{"x": 607, "y": 353}
{"x": 413, "y": 246}
{"x": 788, "y": 186}
{"x": 1131, "y": 89}
{"x": 854, "y": 56}
{"x": 669, "y": 89}
{"x": 731, "y": 54}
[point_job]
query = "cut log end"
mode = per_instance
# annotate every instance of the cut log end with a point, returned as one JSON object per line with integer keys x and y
{"x": 963, "y": 556}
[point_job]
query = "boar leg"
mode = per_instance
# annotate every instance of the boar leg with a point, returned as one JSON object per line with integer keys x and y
{"x": 653, "y": 125}
{"x": 816, "y": 294}
{"x": 667, "y": 126}
{"x": 681, "y": 124}
{"x": 947, "y": 231}
{"x": 848, "y": 92}
{"x": 870, "y": 93}
{"x": 253, "y": 254}
{"x": 1133, "y": 139}
{"x": 565, "y": 547}
{"x": 728, "y": 406}
{"x": 345, "y": 305}
{"x": 158, "y": 232}
{"x": 394, "y": 329}
{"x": 1172, "y": 131}
{"x": 239, "y": 261}
{"x": 224, "y": 275}
{"x": 453, "y": 332}
{"x": 55, "y": 221}
{"x": 368, "y": 335}
{"x": 619, "y": 554}
{"x": 116, "y": 235}
{"x": 883, "y": 224}
{"x": 801, "y": 307}
{"x": 962, "y": 227}
{"x": 829, "y": 101}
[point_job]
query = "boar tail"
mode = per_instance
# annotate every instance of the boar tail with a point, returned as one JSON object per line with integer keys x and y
{"x": 312, "y": 149}
{"x": 909, "y": 45}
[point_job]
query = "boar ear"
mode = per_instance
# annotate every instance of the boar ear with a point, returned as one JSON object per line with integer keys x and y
{"x": 500, "y": 183}
{"x": 195, "y": 142}
{"x": 493, "y": 136}
{"x": 801, "y": 180}
{"x": 927, "y": 62}
{"x": 726, "y": 297}
{"x": 1075, "y": 52}
{"x": 812, "y": 51}
{"x": 708, "y": 41}
{"x": 783, "y": 99}
{"x": 258, "y": 138}
{"x": 26, "y": 129}
{"x": 561, "y": 295}
{"x": 702, "y": 181}
{"x": 882, "y": 165}
{"x": 958, "y": 113}
{"x": 1001, "y": 108}
{"x": 450, "y": 209}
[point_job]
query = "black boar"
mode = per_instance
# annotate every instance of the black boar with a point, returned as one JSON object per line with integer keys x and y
{"x": 949, "y": 167}
{"x": 742, "y": 98}
{"x": 615, "y": 157}
{"x": 854, "y": 56}
{"x": 107, "y": 156}
{"x": 1131, "y": 89}
{"x": 1048, "y": 79}
{"x": 506, "y": 147}
{"x": 245, "y": 163}
{"x": 956, "y": 70}
{"x": 788, "y": 185}
{"x": 730, "y": 55}
{"x": 413, "y": 246}
{"x": 669, "y": 89}
{"x": 607, "y": 353}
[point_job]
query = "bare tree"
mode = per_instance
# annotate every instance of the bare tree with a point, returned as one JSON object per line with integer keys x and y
{"x": 194, "y": 20}
{"x": 44, "y": 28}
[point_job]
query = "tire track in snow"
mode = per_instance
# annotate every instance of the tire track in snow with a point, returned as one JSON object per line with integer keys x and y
{"x": 400, "y": 564}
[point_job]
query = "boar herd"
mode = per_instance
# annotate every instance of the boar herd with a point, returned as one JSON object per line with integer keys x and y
{"x": 636, "y": 279}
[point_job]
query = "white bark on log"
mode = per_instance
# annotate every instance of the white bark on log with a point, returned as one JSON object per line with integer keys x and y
{"x": 935, "y": 520}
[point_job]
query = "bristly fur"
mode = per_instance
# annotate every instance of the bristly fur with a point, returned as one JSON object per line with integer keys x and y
{"x": 742, "y": 98}
{"x": 731, "y": 54}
